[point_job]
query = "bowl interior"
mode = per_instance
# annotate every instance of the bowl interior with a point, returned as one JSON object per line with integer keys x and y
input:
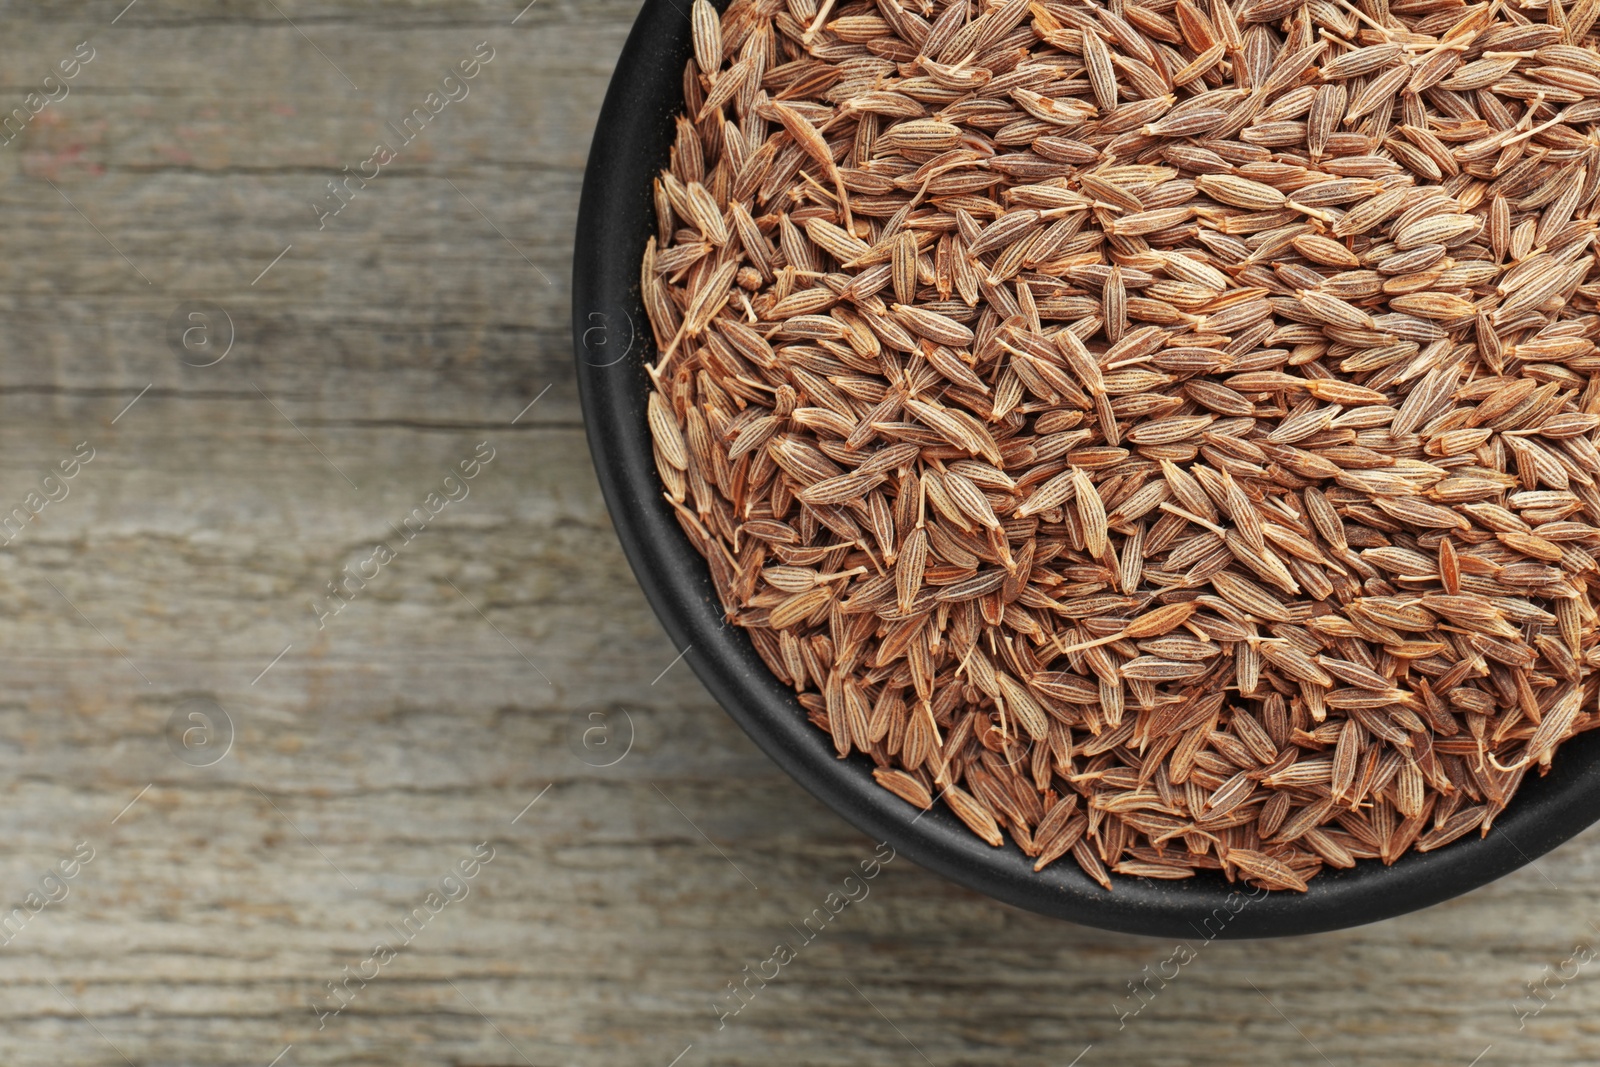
{"x": 612, "y": 344}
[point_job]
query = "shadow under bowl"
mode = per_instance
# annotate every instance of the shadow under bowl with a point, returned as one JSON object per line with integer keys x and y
{"x": 612, "y": 344}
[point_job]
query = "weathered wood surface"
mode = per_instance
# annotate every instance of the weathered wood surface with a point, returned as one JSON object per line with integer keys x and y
{"x": 453, "y": 691}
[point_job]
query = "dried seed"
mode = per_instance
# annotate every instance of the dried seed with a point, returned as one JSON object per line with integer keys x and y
{"x": 1176, "y": 462}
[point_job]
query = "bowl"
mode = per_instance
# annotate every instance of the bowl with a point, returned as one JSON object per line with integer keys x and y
{"x": 612, "y": 344}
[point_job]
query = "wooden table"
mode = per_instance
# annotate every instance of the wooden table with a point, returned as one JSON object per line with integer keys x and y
{"x": 449, "y": 701}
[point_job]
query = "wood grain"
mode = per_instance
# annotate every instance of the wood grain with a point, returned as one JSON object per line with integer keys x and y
{"x": 458, "y": 686}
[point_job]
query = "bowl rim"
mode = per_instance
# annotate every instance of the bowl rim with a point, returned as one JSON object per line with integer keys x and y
{"x": 616, "y": 215}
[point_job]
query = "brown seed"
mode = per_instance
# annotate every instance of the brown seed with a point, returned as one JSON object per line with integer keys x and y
{"x": 1240, "y": 192}
{"x": 1102, "y": 78}
{"x": 974, "y": 814}
{"x": 1323, "y": 250}
{"x": 1274, "y": 874}
{"x": 707, "y": 36}
{"x": 1187, "y": 468}
{"x": 904, "y": 786}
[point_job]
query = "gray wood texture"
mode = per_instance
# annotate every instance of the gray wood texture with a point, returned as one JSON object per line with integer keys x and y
{"x": 458, "y": 686}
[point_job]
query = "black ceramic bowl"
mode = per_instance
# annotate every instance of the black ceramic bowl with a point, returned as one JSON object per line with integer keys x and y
{"x": 611, "y": 338}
